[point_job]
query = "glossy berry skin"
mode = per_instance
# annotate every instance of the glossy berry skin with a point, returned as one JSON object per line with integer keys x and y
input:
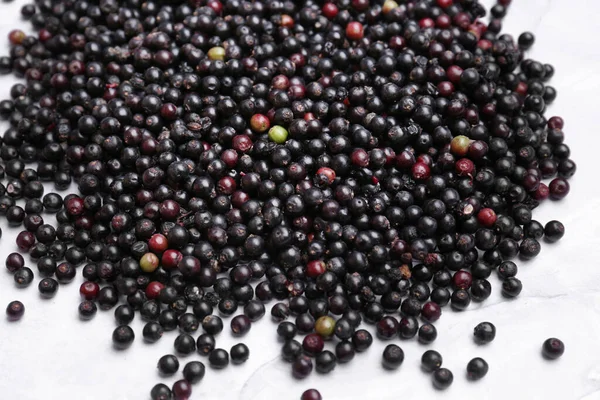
{"x": 553, "y": 348}
{"x": 194, "y": 371}
{"x": 168, "y": 364}
{"x": 259, "y": 123}
{"x": 160, "y": 391}
{"x": 362, "y": 340}
{"x": 486, "y": 217}
{"x": 329, "y": 10}
{"x": 158, "y": 243}
{"x": 184, "y": 344}
{"x": 182, "y": 390}
{"x": 559, "y": 188}
{"x": 218, "y": 359}
{"x": 427, "y": 333}
{"x": 477, "y": 368}
{"x": 123, "y": 336}
{"x": 278, "y": 134}
{"x": 354, "y": 31}
{"x": 387, "y": 328}
{"x": 205, "y": 344}
{"x": 89, "y": 290}
{"x": 484, "y": 332}
{"x": 431, "y": 360}
{"x": 344, "y": 351}
{"x": 23, "y": 277}
{"x": 325, "y": 362}
{"x": 286, "y": 330}
{"x": 442, "y": 378}
{"x": 460, "y": 145}
{"x": 15, "y": 310}
{"x": 291, "y": 350}
{"x": 149, "y": 262}
{"x": 240, "y": 325}
{"x": 87, "y": 309}
{"x": 325, "y": 326}
{"x": 302, "y": 367}
{"x": 393, "y": 356}
{"x": 313, "y": 344}
{"x": 152, "y": 332}
{"x": 431, "y": 311}
{"x": 408, "y": 327}
{"x": 311, "y": 394}
{"x": 239, "y": 353}
{"x": 14, "y": 261}
{"x": 511, "y": 287}
{"x": 48, "y": 287}
{"x": 554, "y": 231}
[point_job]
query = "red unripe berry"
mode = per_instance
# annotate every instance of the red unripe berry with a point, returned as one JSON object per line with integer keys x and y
{"x": 486, "y": 217}
{"x": 153, "y": 289}
{"x": 420, "y": 171}
{"x": 171, "y": 258}
{"x": 89, "y": 290}
{"x": 158, "y": 243}
{"x": 355, "y": 31}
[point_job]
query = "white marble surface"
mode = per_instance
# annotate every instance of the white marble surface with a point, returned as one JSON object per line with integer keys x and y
{"x": 50, "y": 354}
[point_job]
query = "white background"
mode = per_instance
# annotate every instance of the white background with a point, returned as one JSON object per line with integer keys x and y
{"x": 51, "y": 354}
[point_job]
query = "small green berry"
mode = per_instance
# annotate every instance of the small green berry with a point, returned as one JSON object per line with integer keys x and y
{"x": 278, "y": 134}
{"x": 149, "y": 262}
{"x": 216, "y": 53}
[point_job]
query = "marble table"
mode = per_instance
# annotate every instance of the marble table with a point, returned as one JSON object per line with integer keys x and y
{"x": 50, "y": 354}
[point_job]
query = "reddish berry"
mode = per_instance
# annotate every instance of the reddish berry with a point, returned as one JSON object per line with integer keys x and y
{"x": 259, "y": 123}
{"x": 431, "y": 311}
{"x": 89, "y": 290}
{"x": 153, "y": 289}
{"x": 444, "y": 3}
{"x": 215, "y": 5}
{"x": 16, "y": 36}
{"x": 287, "y": 21}
{"x": 464, "y": 167}
{"x": 446, "y": 88}
{"x": 360, "y": 5}
{"x": 486, "y": 217}
{"x": 311, "y": 394}
{"x": 158, "y": 243}
{"x": 559, "y": 188}
{"x": 556, "y": 123}
{"x": 355, "y": 31}
{"x": 226, "y": 185}
{"x": 360, "y": 158}
{"x": 542, "y": 192}
{"x": 326, "y": 175}
{"x": 462, "y": 280}
{"x": 330, "y": 10}
{"x": 313, "y": 344}
{"x": 171, "y": 258}
{"x": 484, "y": 44}
{"x": 242, "y": 143}
{"x": 453, "y": 73}
{"x": 315, "y": 268}
{"x": 420, "y": 171}
{"x": 425, "y": 23}
{"x": 230, "y": 158}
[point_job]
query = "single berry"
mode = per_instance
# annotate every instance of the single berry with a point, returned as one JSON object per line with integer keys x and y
{"x": 15, "y": 310}
{"x": 442, "y": 378}
{"x": 484, "y": 332}
{"x": 553, "y": 348}
{"x": 477, "y": 368}
{"x": 393, "y": 356}
{"x": 431, "y": 360}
